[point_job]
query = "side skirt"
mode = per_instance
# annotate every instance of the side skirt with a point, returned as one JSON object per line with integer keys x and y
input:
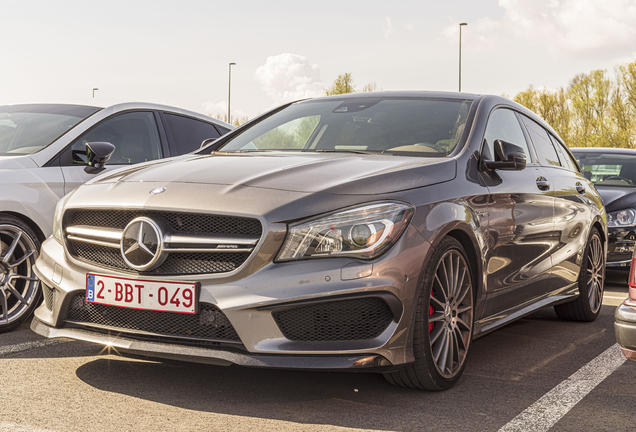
{"x": 493, "y": 322}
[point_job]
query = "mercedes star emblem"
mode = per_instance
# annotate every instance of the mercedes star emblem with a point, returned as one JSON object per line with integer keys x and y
{"x": 142, "y": 244}
{"x": 157, "y": 191}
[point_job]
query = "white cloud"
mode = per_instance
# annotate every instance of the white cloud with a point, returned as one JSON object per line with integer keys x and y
{"x": 409, "y": 26}
{"x": 575, "y": 29}
{"x": 219, "y": 110}
{"x": 388, "y": 28}
{"x": 288, "y": 77}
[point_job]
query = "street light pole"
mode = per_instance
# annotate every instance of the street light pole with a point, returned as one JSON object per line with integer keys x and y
{"x": 94, "y": 92}
{"x": 460, "y": 54}
{"x": 229, "y": 92}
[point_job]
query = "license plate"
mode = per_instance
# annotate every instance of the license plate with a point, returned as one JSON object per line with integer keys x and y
{"x": 165, "y": 296}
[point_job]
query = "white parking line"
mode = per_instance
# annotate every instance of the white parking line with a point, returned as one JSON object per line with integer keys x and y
{"x": 12, "y": 427}
{"x": 544, "y": 413}
{"x": 9, "y": 349}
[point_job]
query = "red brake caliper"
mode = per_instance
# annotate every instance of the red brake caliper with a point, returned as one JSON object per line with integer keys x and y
{"x": 431, "y": 311}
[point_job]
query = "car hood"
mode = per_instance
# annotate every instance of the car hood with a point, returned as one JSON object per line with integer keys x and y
{"x": 617, "y": 198}
{"x": 336, "y": 174}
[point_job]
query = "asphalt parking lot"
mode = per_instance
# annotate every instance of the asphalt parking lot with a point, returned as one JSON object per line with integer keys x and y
{"x": 529, "y": 375}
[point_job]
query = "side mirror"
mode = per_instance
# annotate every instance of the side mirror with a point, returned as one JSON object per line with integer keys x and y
{"x": 207, "y": 141}
{"x": 508, "y": 156}
{"x": 98, "y": 154}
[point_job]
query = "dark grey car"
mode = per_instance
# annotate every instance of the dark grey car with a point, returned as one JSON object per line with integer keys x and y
{"x": 380, "y": 232}
{"x": 613, "y": 172}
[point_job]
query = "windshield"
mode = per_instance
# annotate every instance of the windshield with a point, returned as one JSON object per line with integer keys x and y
{"x": 26, "y": 129}
{"x": 608, "y": 169}
{"x": 411, "y": 127}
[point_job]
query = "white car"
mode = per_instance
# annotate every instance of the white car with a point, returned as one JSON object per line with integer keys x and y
{"x": 43, "y": 156}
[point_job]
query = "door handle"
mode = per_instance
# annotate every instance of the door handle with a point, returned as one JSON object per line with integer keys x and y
{"x": 580, "y": 188}
{"x": 543, "y": 183}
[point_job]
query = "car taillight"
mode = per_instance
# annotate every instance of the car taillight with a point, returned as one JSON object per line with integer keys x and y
{"x": 632, "y": 278}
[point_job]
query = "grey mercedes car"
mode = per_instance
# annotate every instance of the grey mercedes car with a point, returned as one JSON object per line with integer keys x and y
{"x": 379, "y": 232}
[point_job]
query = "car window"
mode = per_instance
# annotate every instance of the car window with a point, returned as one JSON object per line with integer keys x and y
{"x": 401, "y": 126}
{"x": 564, "y": 155}
{"x": 608, "y": 169}
{"x": 545, "y": 150}
{"x": 133, "y": 134}
{"x": 503, "y": 125}
{"x": 290, "y": 135}
{"x": 188, "y": 133}
{"x": 26, "y": 129}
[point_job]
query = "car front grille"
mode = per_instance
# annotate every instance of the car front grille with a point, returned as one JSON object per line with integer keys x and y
{"x": 194, "y": 223}
{"x": 338, "y": 320}
{"x": 182, "y": 262}
{"x": 210, "y": 323}
{"x": 175, "y": 264}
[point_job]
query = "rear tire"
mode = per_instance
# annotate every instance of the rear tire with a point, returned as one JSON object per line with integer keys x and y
{"x": 443, "y": 322}
{"x": 587, "y": 305}
{"x": 20, "y": 291}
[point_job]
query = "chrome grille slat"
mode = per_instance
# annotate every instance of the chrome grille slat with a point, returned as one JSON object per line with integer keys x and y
{"x": 189, "y": 252}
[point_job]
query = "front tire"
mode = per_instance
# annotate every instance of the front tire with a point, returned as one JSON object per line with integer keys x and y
{"x": 20, "y": 292}
{"x": 587, "y": 305}
{"x": 443, "y": 322}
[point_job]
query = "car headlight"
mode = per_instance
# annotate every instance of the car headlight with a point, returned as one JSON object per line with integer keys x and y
{"x": 363, "y": 232}
{"x": 57, "y": 217}
{"x": 621, "y": 218}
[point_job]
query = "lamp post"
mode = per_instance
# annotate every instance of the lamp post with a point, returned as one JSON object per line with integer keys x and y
{"x": 94, "y": 92}
{"x": 229, "y": 92}
{"x": 460, "y": 54}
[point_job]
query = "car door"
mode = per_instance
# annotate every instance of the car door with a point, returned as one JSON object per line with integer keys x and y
{"x": 573, "y": 207}
{"x": 134, "y": 134}
{"x": 520, "y": 218}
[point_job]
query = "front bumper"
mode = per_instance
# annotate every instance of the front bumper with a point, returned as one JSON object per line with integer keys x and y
{"x": 119, "y": 345}
{"x": 249, "y": 300}
{"x": 620, "y": 247}
{"x": 625, "y": 328}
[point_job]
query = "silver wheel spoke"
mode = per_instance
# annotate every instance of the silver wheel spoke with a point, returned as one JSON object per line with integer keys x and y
{"x": 438, "y": 303}
{"x": 451, "y": 351}
{"x": 436, "y": 317}
{"x": 438, "y": 349}
{"x": 15, "y": 292}
{"x": 436, "y": 333}
{"x": 460, "y": 322}
{"x": 441, "y": 287}
{"x": 460, "y": 340}
{"x": 21, "y": 260}
{"x": 3, "y": 305}
{"x": 11, "y": 249}
{"x": 462, "y": 294}
{"x": 18, "y": 276}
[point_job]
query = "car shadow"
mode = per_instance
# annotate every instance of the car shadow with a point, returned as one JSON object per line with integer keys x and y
{"x": 534, "y": 351}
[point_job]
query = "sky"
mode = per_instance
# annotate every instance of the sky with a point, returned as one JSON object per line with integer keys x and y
{"x": 177, "y": 52}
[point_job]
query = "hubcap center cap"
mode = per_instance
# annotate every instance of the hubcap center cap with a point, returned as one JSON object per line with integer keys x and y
{"x": 448, "y": 313}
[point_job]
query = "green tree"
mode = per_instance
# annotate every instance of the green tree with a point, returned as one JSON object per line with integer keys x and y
{"x": 342, "y": 85}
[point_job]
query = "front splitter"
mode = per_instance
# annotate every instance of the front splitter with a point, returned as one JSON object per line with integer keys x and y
{"x": 357, "y": 362}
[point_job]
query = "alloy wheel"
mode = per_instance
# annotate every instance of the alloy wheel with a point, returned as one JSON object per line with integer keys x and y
{"x": 595, "y": 273}
{"x": 18, "y": 284}
{"x": 450, "y": 314}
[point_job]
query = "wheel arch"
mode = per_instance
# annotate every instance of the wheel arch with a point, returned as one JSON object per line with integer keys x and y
{"x": 34, "y": 226}
{"x": 464, "y": 234}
